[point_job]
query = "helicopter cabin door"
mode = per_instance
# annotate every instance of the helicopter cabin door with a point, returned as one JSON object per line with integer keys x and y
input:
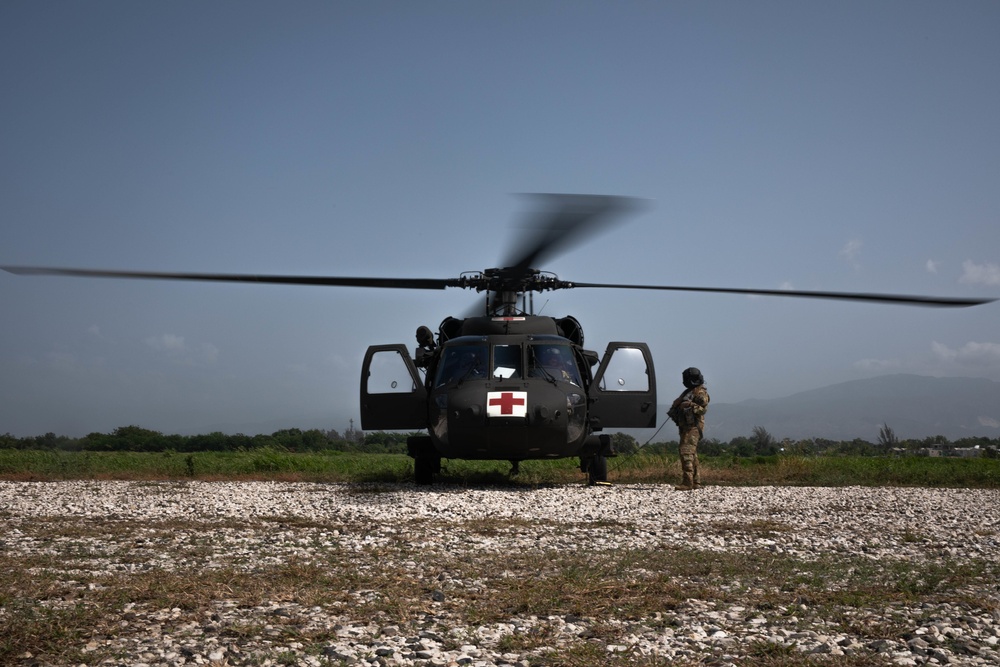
{"x": 623, "y": 394}
{"x": 393, "y": 395}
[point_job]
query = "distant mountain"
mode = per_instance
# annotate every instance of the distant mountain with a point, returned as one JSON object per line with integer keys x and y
{"x": 914, "y": 406}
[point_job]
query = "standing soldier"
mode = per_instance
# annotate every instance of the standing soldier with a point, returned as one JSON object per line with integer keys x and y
{"x": 688, "y": 412}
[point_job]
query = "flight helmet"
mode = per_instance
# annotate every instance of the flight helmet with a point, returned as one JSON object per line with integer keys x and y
{"x": 692, "y": 377}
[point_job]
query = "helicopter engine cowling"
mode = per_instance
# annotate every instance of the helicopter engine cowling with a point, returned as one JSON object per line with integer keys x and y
{"x": 509, "y": 325}
{"x": 570, "y": 327}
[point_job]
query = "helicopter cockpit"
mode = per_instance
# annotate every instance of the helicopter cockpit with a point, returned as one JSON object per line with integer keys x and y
{"x": 476, "y": 359}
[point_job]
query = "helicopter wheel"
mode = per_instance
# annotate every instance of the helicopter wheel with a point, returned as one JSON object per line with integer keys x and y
{"x": 597, "y": 470}
{"x": 424, "y": 468}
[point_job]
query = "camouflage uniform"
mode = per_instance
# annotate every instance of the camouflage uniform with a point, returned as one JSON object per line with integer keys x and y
{"x": 688, "y": 411}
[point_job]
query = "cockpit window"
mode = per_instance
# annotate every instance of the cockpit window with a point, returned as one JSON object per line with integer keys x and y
{"x": 554, "y": 362}
{"x": 507, "y": 361}
{"x": 462, "y": 362}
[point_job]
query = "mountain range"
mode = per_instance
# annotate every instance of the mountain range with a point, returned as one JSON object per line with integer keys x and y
{"x": 913, "y": 406}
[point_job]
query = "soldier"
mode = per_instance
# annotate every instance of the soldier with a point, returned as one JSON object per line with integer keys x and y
{"x": 688, "y": 412}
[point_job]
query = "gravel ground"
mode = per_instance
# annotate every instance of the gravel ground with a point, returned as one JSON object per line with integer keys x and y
{"x": 87, "y": 534}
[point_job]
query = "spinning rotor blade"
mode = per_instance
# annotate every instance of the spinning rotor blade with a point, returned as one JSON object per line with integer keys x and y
{"x": 559, "y": 222}
{"x": 564, "y": 221}
{"x": 903, "y": 299}
{"x": 396, "y": 283}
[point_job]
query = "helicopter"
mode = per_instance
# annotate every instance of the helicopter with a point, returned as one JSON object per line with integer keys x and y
{"x": 502, "y": 382}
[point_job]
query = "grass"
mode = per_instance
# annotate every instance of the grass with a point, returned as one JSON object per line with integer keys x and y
{"x": 275, "y": 464}
{"x": 264, "y": 463}
{"x": 821, "y": 471}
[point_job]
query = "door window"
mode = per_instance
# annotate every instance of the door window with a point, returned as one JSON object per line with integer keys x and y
{"x": 388, "y": 374}
{"x": 626, "y": 371}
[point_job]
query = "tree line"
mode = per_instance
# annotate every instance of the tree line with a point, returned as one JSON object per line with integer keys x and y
{"x": 761, "y": 443}
{"x": 138, "y": 439}
{"x": 758, "y": 443}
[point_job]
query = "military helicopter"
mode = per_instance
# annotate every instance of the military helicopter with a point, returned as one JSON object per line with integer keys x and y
{"x": 504, "y": 383}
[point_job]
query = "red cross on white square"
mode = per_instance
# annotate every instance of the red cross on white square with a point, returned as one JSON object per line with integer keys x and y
{"x": 507, "y": 404}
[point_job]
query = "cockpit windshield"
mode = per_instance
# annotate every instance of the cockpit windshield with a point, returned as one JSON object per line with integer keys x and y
{"x": 553, "y": 362}
{"x": 460, "y": 363}
{"x": 550, "y": 361}
{"x": 506, "y": 362}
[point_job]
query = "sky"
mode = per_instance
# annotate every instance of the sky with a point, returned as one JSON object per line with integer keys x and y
{"x": 810, "y": 145}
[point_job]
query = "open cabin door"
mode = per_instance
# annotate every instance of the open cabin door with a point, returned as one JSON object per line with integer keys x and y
{"x": 623, "y": 394}
{"x": 393, "y": 395}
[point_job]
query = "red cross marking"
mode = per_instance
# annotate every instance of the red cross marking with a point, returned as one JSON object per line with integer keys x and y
{"x": 506, "y": 402}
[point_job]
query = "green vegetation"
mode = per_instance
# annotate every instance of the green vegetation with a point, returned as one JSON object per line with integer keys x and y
{"x": 641, "y": 467}
{"x": 265, "y": 463}
{"x": 138, "y": 439}
{"x": 798, "y": 470}
{"x": 131, "y": 452}
{"x": 759, "y": 443}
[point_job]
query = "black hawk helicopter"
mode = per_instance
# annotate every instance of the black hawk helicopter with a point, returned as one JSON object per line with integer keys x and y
{"x": 506, "y": 383}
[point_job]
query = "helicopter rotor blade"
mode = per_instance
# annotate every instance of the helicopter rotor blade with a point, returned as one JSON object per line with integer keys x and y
{"x": 394, "y": 283}
{"x": 562, "y": 221}
{"x": 901, "y": 299}
{"x": 558, "y": 222}
{"x": 440, "y": 284}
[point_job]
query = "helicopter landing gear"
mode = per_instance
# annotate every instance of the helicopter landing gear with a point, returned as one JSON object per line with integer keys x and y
{"x": 426, "y": 461}
{"x": 596, "y": 468}
{"x": 424, "y": 469}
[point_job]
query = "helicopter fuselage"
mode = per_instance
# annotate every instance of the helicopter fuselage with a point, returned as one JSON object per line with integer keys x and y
{"x": 509, "y": 407}
{"x": 507, "y": 388}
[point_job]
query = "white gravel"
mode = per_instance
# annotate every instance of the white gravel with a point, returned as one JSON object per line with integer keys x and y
{"x": 297, "y": 521}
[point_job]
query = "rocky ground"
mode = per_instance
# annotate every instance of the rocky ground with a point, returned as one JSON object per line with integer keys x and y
{"x": 257, "y": 573}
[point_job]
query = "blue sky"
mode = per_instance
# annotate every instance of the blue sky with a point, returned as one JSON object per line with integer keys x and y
{"x": 833, "y": 146}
